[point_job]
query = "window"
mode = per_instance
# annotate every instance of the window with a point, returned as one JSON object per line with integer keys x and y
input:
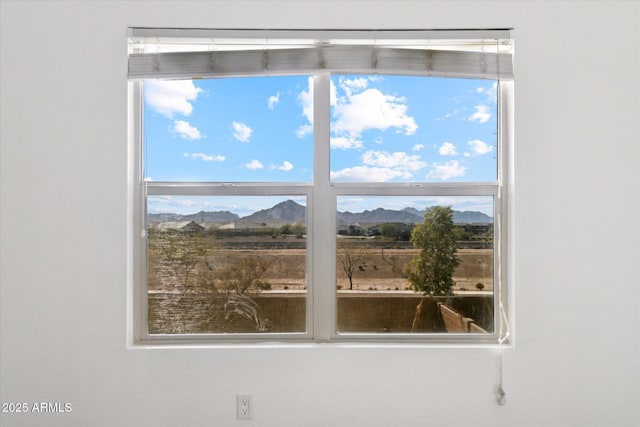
{"x": 320, "y": 185}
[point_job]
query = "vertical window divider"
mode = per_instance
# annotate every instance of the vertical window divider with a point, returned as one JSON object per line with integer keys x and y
{"x": 137, "y": 215}
{"x": 505, "y": 194}
{"x": 323, "y": 215}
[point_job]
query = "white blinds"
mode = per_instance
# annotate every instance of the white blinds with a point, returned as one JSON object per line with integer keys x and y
{"x": 158, "y": 53}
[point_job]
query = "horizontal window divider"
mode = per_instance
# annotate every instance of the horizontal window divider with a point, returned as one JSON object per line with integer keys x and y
{"x": 229, "y": 338}
{"x": 213, "y": 189}
{"x": 431, "y": 338}
{"x": 340, "y": 339}
{"x": 437, "y": 189}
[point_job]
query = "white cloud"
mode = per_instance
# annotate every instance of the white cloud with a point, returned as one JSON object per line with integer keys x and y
{"x": 273, "y": 100}
{"x": 444, "y": 171}
{"x": 306, "y": 99}
{"x": 169, "y": 204}
{"x": 490, "y": 92}
{"x": 447, "y": 149}
{"x": 358, "y": 108}
{"x": 185, "y": 130}
{"x": 205, "y": 157}
{"x": 449, "y": 115}
{"x": 365, "y": 173}
{"x": 345, "y": 142}
{"x": 304, "y": 130}
{"x": 254, "y": 164}
{"x": 286, "y": 166}
{"x": 351, "y": 85}
{"x": 397, "y": 161}
{"x": 482, "y": 114}
{"x": 418, "y": 147}
{"x": 170, "y": 97}
{"x": 380, "y": 166}
{"x": 479, "y": 148}
{"x": 241, "y": 132}
{"x": 371, "y": 109}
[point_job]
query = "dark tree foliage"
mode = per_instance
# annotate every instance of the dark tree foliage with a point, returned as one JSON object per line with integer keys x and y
{"x": 431, "y": 271}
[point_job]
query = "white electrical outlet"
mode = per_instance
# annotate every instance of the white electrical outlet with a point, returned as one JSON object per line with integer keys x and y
{"x": 244, "y": 407}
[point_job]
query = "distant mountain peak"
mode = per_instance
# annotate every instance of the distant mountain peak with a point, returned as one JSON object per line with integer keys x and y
{"x": 289, "y": 212}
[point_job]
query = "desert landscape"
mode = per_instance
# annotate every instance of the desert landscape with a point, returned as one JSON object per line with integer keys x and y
{"x": 377, "y": 265}
{"x": 193, "y": 276}
{"x": 218, "y": 272}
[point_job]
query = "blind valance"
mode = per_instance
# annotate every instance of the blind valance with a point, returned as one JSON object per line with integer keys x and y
{"x": 189, "y": 54}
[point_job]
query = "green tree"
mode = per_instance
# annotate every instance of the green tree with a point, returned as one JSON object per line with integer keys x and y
{"x": 431, "y": 271}
{"x": 389, "y": 230}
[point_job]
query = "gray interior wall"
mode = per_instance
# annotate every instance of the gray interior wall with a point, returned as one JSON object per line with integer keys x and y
{"x": 64, "y": 272}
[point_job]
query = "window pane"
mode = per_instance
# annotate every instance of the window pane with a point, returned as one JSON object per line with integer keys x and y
{"x": 408, "y": 128}
{"x": 226, "y": 264}
{"x": 393, "y": 250}
{"x": 229, "y": 130}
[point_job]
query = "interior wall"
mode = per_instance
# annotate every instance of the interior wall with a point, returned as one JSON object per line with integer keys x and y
{"x": 575, "y": 235}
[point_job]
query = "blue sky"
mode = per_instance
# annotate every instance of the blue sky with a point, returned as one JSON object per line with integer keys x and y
{"x": 383, "y": 129}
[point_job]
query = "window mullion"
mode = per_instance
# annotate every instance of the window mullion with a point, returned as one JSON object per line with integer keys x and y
{"x": 323, "y": 216}
{"x": 137, "y": 216}
{"x": 503, "y": 203}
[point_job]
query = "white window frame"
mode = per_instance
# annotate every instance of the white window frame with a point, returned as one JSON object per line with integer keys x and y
{"x": 321, "y": 194}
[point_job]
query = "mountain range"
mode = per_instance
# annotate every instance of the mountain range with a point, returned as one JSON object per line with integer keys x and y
{"x": 289, "y": 212}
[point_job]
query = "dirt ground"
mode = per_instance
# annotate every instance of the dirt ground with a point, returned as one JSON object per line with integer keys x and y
{"x": 373, "y": 269}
